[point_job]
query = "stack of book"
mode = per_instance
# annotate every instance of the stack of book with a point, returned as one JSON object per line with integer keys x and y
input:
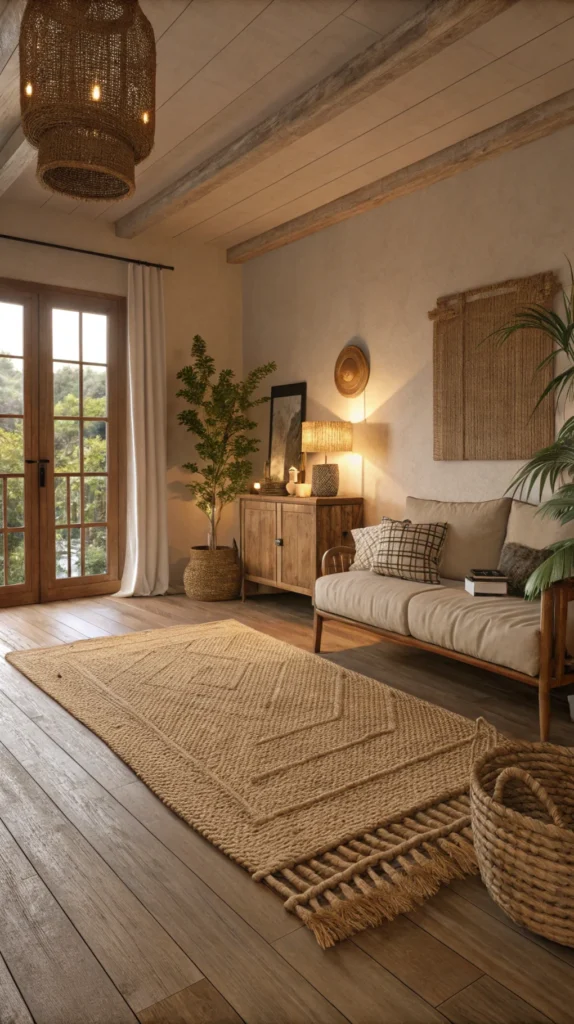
{"x": 486, "y": 582}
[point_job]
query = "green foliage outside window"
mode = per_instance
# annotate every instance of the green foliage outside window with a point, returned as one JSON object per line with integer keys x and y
{"x": 66, "y": 460}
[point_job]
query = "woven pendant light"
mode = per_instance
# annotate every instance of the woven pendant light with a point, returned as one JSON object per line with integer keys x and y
{"x": 87, "y": 87}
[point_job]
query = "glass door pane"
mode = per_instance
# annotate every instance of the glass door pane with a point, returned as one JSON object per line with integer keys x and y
{"x": 81, "y": 508}
{"x": 80, "y": 442}
{"x": 18, "y": 480}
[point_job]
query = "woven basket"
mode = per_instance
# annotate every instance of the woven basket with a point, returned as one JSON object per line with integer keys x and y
{"x": 212, "y": 575}
{"x": 522, "y": 805}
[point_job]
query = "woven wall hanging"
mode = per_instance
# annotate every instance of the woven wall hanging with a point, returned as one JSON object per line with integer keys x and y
{"x": 87, "y": 89}
{"x": 485, "y": 394}
{"x": 351, "y": 371}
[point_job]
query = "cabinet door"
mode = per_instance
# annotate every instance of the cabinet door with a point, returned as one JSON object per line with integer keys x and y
{"x": 334, "y": 525}
{"x": 297, "y": 552}
{"x": 259, "y": 533}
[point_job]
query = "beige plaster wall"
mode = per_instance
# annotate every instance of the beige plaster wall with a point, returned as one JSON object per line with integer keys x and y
{"x": 203, "y": 295}
{"x": 374, "y": 278}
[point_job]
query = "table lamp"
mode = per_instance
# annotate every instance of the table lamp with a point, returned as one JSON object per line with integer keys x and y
{"x": 326, "y": 436}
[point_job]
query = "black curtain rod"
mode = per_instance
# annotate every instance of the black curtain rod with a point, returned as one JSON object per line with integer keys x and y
{"x": 86, "y": 252}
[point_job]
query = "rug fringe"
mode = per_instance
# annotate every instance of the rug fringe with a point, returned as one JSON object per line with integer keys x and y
{"x": 396, "y": 895}
{"x": 376, "y": 877}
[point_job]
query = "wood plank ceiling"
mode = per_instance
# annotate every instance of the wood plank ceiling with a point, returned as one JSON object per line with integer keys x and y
{"x": 226, "y": 65}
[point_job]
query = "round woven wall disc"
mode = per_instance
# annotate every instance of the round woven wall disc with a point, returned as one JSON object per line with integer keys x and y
{"x": 351, "y": 371}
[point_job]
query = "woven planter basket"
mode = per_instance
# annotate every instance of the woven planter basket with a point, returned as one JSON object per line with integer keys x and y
{"x": 522, "y": 806}
{"x": 212, "y": 575}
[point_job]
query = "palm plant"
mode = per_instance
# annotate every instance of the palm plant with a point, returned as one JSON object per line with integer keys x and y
{"x": 552, "y": 466}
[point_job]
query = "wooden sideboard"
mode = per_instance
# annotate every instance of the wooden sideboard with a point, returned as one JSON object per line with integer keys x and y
{"x": 283, "y": 539}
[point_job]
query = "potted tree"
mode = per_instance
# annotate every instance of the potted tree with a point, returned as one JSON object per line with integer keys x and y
{"x": 551, "y": 467}
{"x": 218, "y": 417}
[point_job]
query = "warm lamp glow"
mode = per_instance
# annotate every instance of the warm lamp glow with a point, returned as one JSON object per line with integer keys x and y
{"x": 96, "y": 93}
{"x": 145, "y": 117}
{"x": 256, "y": 487}
{"x": 327, "y": 436}
{"x": 29, "y": 90}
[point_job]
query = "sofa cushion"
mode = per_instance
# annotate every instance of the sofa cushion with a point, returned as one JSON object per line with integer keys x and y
{"x": 475, "y": 535}
{"x": 365, "y": 597}
{"x": 502, "y": 630}
{"x": 533, "y": 531}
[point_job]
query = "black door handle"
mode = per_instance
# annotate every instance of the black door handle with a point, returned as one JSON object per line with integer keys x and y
{"x": 279, "y": 542}
{"x": 42, "y": 472}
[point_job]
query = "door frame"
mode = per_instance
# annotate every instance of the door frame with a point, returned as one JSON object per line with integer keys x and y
{"x": 28, "y": 592}
{"x": 44, "y": 585}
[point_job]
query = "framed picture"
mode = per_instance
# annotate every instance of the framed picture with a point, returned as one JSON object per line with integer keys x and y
{"x": 288, "y": 410}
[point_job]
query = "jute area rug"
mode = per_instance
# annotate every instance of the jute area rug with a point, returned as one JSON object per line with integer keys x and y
{"x": 348, "y": 798}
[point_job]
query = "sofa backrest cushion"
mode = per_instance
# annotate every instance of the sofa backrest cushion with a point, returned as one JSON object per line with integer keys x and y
{"x": 533, "y": 531}
{"x": 475, "y": 535}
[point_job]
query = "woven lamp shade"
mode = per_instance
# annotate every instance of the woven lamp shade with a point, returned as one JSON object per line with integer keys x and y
{"x": 87, "y": 92}
{"x": 327, "y": 436}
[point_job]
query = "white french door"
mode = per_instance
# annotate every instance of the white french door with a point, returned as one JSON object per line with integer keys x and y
{"x": 61, "y": 380}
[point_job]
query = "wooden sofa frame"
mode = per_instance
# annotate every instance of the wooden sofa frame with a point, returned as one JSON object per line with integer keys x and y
{"x": 554, "y": 668}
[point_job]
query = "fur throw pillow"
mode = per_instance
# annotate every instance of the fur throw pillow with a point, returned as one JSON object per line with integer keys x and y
{"x": 518, "y": 563}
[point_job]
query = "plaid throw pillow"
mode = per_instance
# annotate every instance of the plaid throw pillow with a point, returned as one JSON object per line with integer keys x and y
{"x": 409, "y": 551}
{"x": 367, "y": 542}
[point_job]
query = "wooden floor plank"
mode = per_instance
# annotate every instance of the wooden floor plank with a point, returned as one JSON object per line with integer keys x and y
{"x": 54, "y": 624}
{"x": 255, "y": 903}
{"x": 423, "y": 963}
{"x": 359, "y": 986}
{"x": 487, "y": 1002}
{"x": 247, "y": 971}
{"x": 475, "y": 891}
{"x": 22, "y": 629}
{"x": 58, "y": 976}
{"x": 141, "y": 959}
{"x": 541, "y": 979}
{"x": 11, "y": 639}
{"x": 87, "y": 611}
{"x": 58, "y": 619}
{"x": 82, "y": 744}
{"x": 13, "y": 1009}
{"x": 136, "y": 614}
{"x": 199, "y": 1004}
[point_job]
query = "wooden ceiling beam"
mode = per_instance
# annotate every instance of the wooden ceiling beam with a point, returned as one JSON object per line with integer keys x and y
{"x": 17, "y": 153}
{"x": 10, "y": 19}
{"x": 15, "y": 157}
{"x": 532, "y": 124}
{"x": 439, "y": 24}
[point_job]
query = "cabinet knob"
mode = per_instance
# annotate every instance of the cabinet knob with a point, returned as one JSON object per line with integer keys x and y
{"x": 279, "y": 542}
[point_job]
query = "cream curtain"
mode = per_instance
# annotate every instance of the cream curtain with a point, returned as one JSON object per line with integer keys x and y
{"x": 146, "y": 571}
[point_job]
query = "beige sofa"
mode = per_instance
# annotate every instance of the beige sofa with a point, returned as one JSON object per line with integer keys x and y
{"x": 526, "y": 640}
